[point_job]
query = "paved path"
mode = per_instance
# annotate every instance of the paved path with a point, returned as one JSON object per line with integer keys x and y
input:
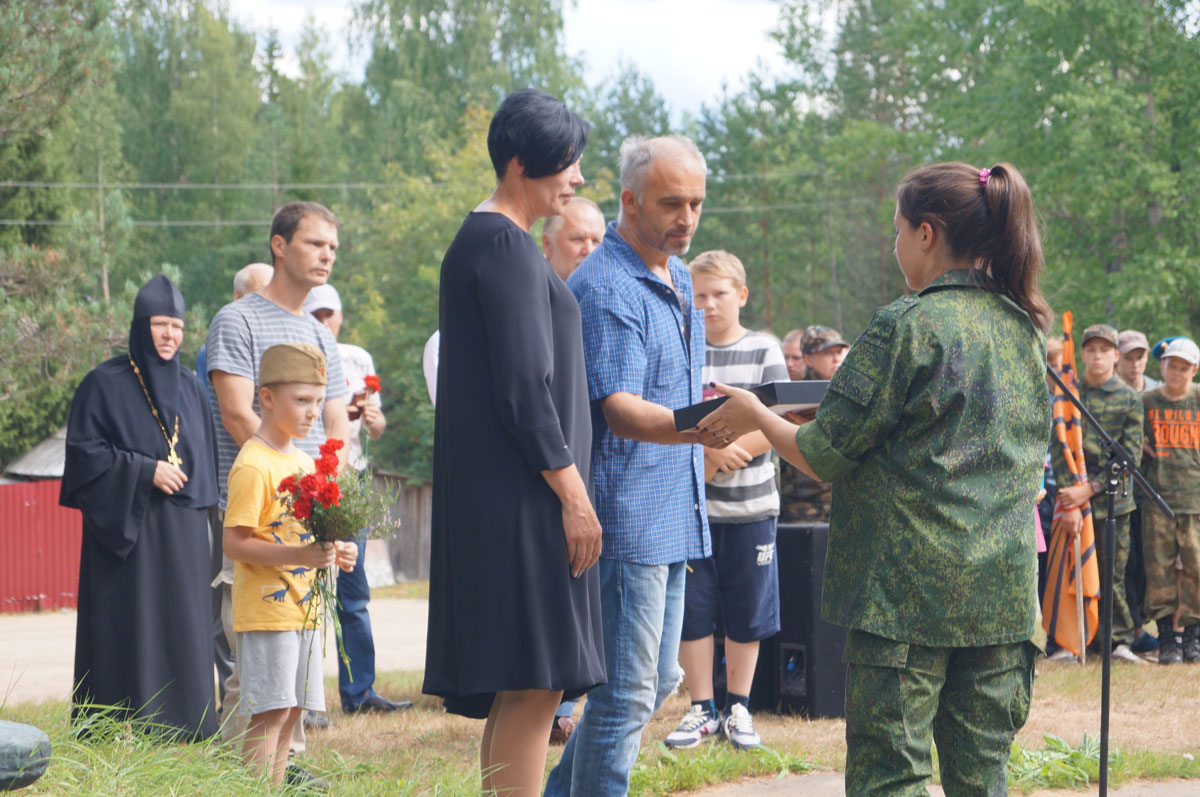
{"x": 37, "y": 651}
{"x": 829, "y": 784}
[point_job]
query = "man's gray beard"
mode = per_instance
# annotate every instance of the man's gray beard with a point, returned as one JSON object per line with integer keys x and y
{"x": 676, "y": 251}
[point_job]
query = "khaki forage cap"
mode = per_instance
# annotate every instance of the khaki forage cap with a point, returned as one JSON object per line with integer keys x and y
{"x": 292, "y": 362}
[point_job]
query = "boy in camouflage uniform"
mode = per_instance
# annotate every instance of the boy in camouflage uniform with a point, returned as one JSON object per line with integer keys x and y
{"x": 1173, "y": 469}
{"x": 1119, "y": 411}
{"x": 804, "y": 499}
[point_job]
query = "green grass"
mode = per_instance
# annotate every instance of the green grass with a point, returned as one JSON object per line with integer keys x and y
{"x": 661, "y": 770}
{"x": 428, "y": 752}
{"x": 1060, "y": 766}
{"x": 126, "y": 758}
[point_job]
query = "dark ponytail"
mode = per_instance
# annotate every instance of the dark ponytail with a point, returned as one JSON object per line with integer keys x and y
{"x": 987, "y": 217}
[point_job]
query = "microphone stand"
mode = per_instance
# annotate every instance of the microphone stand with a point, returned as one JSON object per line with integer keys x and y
{"x": 1119, "y": 464}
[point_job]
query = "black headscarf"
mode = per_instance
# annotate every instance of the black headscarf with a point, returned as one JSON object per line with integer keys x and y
{"x": 159, "y": 296}
{"x": 113, "y": 441}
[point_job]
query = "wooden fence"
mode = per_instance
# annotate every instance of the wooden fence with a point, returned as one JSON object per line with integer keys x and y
{"x": 409, "y": 548}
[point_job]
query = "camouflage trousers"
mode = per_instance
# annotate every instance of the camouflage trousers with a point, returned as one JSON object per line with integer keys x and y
{"x": 1122, "y": 624}
{"x": 1162, "y": 541}
{"x": 900, "y": 698}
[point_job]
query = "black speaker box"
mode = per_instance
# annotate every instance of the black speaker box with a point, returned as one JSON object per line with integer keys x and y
{"x": 800, "y": 669}
{"x": 810, "y": 677}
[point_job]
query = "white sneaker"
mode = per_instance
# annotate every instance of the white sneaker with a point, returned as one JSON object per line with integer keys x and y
{"x": 738, "y": 727}
{"x": 696, "y": 726}
{"x": 1123, "y": 653}
{"x": 1062, "y": 654}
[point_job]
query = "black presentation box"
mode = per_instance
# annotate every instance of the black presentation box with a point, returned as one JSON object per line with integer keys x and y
{"x": 781, "y": 397}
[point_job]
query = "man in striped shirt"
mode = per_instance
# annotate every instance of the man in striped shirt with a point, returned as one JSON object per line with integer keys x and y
{"x": 741, "y": 578}
{"x": 303, "y": 241}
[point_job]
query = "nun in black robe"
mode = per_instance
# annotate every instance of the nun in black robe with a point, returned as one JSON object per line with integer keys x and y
{"x": 143, "y": 640}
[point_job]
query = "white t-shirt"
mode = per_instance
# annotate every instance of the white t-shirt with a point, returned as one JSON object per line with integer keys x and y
{"x": 357, "y": 365}
{"x": 429, "y": 363}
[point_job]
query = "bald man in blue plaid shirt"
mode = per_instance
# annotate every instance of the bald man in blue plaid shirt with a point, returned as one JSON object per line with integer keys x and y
{"x": 644, "y": 344}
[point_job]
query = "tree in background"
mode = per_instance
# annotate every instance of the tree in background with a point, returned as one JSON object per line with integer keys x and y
{"x": 189, "y": 101}
{"x": 189, "y": 130}
{"x": 52, "y": 54}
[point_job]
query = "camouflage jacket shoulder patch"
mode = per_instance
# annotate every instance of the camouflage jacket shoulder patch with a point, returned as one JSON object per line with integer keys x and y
{"x": 883, "y": 324}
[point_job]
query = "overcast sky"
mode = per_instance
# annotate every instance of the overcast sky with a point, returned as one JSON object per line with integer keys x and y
{"x": 688, "y": 47}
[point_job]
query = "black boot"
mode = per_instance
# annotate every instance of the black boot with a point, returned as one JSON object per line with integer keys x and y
{"x": 1170, "y": 645}
{"x": 1191, "y": 643}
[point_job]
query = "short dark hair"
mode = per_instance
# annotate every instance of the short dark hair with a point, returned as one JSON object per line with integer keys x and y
{"x": 288, "y": 218}
{"x": 539, "y": 131}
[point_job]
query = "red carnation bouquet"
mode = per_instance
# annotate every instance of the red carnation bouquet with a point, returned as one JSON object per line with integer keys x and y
{"x": 335, "y": 508}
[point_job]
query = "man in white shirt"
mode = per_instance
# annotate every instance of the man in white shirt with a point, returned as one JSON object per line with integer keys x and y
{"x": 363, "y": 408}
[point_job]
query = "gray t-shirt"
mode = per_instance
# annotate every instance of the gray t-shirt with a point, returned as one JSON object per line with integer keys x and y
{"x": 239, "y": 334}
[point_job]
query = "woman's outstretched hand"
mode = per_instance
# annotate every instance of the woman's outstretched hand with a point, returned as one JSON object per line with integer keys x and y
{"x": 740, "y": 414}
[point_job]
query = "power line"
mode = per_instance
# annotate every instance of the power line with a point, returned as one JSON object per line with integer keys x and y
{"x": 352, "y": 186}
{"x": 148, "y": 223}
{"x": 374, "y": 223}
{"x": 195, "y": 186}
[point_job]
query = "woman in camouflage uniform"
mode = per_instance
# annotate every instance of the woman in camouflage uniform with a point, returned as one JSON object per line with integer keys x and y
{"x": 933, "y": 433}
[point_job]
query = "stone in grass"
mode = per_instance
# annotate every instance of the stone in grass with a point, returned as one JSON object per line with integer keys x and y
{"x": 24, "y": 754}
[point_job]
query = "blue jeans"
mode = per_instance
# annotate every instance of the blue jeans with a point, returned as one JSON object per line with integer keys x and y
{"x": 353, "y": 597}
{"x": 642, "y": 606}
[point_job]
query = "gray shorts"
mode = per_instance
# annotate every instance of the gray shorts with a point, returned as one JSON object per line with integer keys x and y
{"x": 280, "y": 669}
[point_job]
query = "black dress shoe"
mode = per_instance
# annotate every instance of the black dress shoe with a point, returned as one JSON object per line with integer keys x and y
{"x": 380, "y": 704}
{"x": 317, "y": 721}
{"x": 299, "y": 778}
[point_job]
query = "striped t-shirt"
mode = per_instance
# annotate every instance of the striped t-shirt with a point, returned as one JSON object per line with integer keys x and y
{"x": 239, "y": 334}
{"x": 748, "y": 494}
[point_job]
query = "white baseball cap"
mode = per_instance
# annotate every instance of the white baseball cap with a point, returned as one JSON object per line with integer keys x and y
{"x": 323, "y": 297}
{"x": 1184, "y": 349}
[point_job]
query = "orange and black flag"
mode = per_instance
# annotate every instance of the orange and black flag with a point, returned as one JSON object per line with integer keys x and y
{"x": 1060, "y": 607}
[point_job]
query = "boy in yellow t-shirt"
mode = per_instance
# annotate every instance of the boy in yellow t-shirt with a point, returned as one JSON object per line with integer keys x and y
{"x": 276, "y": 560}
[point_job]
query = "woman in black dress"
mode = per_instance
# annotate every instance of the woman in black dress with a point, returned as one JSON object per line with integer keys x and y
{"x": 514, "y": 604}
{"x": 141, "y": 466}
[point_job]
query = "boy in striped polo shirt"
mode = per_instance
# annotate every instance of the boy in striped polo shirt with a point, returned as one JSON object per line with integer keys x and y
{"x": 741, "y": 578}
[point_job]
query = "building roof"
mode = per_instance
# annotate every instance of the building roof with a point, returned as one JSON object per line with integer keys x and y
{"x": 43, "y": 461}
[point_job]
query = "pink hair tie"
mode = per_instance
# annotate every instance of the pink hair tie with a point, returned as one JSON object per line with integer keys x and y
{"x": 984, "y": 174}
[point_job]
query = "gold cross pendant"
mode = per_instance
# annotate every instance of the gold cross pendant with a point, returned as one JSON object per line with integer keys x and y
{"x": 174, "y": 459}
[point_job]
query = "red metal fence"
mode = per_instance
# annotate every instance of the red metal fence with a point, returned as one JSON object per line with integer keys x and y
{"x": 39, "y": 548}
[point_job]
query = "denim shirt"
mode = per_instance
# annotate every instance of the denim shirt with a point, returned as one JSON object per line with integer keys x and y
{"x": 640, "y": 336}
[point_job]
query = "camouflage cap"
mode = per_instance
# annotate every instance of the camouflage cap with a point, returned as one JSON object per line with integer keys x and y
{"x": 292, "y": 362}
{"x": 1100, "y": 331}
{"x": 818, "y": 338}
{"x": 1131, "y": 339}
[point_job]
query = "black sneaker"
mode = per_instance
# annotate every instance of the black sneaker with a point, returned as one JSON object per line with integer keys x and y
{"x": 378, "y": 704}
{"x": 1170, "y": 651}
{"x": 1146, "y": 645}
{"x": 1191, "y": 644}
{"x": 297, "y": 777}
